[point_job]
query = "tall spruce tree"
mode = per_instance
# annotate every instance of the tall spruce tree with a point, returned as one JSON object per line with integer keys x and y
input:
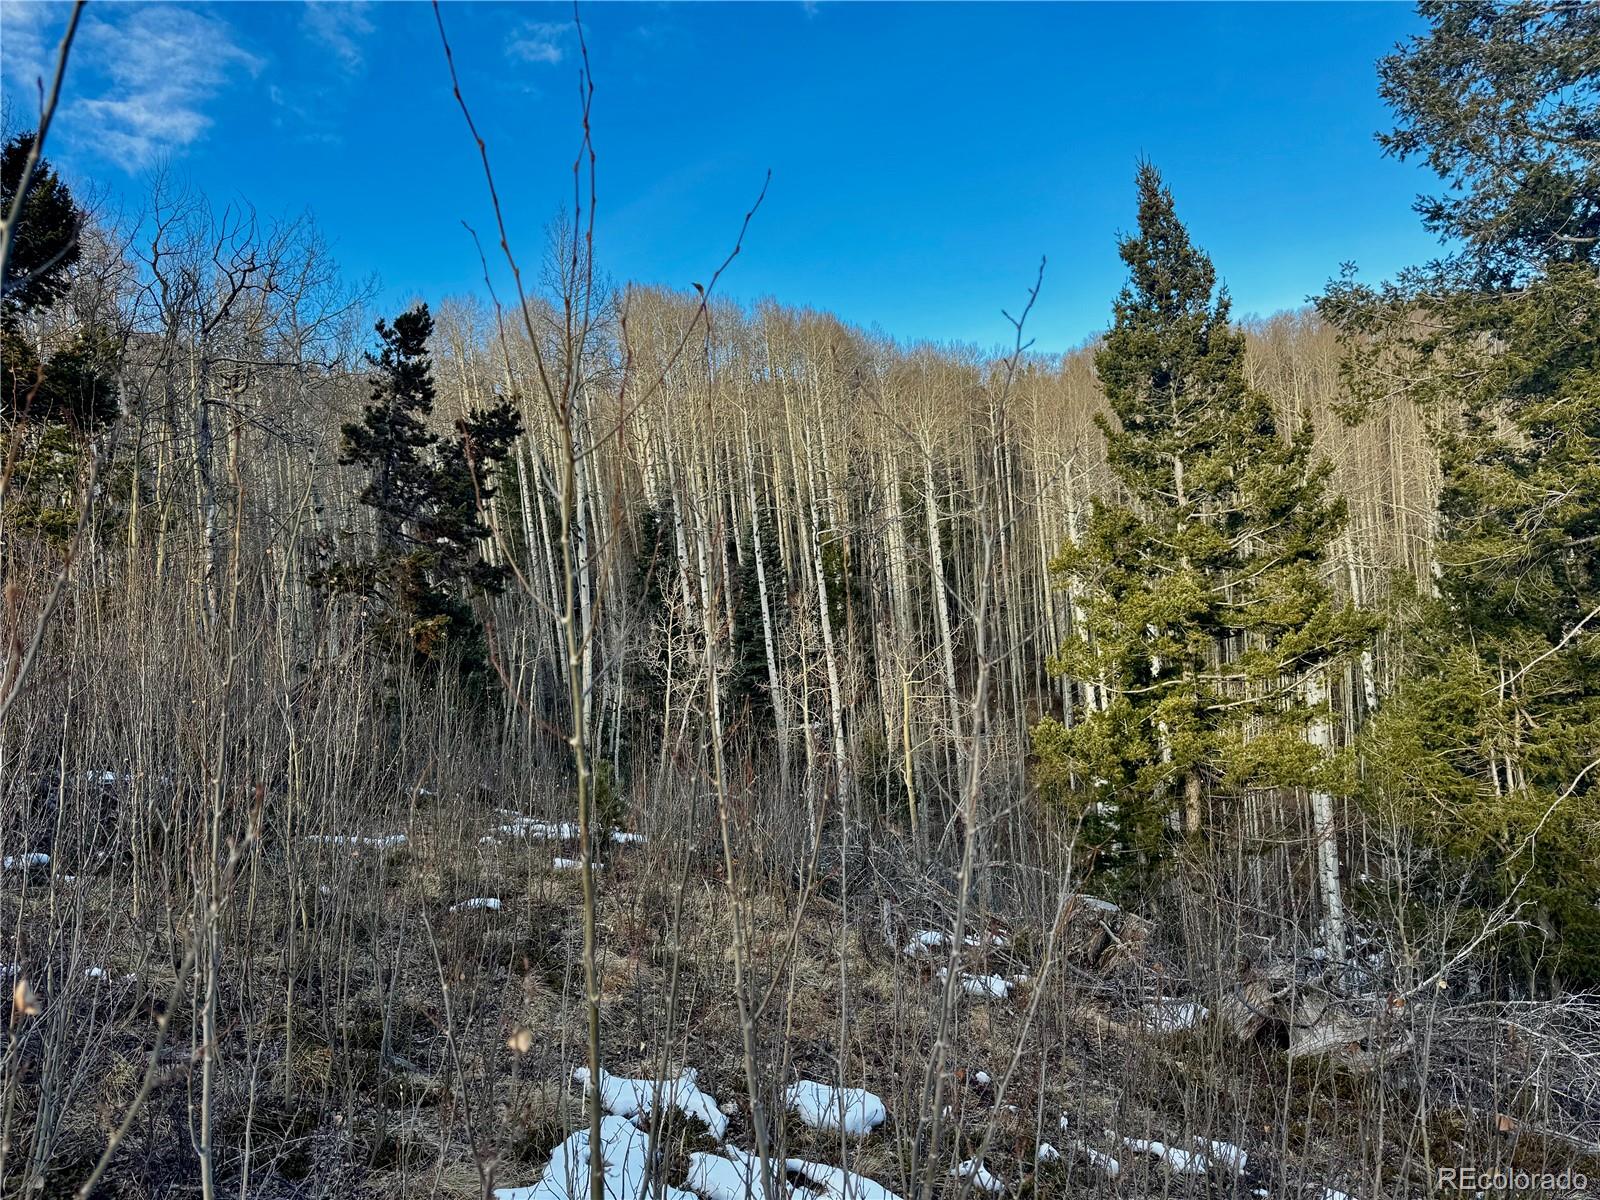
{"x": 1203, "y": 610}
{"x": 427, "y": 494}
{"x": 1490, "y": 747}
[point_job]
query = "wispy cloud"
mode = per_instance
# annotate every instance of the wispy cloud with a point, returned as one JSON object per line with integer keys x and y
{"x": 539, "y": 41}
{"x": 164, "y": 66}
{"x": 142, "y": 76}
{"x": 26, "y": 51}
{"x": 340, "y": 26}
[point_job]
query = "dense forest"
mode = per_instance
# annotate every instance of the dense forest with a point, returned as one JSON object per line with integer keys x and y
{"x": 889, "y": 770}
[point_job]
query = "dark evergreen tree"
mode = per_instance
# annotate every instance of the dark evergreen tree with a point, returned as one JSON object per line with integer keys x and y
{"x": 1204, "y": 609}
{"x": 1491, "y": 745}
{"x": 748, "y": 689}
{"x": 44, "y": 246}
{"x": 427, "y": 494}
{"x": 1500, "y": 100}
{"x": 58, "y": 384}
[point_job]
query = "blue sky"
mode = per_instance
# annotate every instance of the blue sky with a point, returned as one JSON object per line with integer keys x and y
{"x": 923, "y": 156}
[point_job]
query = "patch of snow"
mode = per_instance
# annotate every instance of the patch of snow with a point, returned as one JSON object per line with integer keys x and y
{"x": 1171, "y": 1016}
{"x": 1225, "y": 1154}
{"x": 822, "y": 1106}
{"x": 1094, "y": 902}
{"x": 96, "y": 973}
{"x": 108, "y": 777}
{"x": 626, "y": 1097}
{"x": 570, "y": 864}
{"x": 978, "y": 1175}
{"x": 736, "y": 1177}
{"x": 625, "y": 1150}
{"x": 532, "y": 827}
{"x": 837, "y": 1183}
{"x": 982, "y": 1078}
{"x": 492, "y": 903}
{"x": 1046, "y": 1153}
{"x": 1100, "y": 1161}
{"x": 1181, "y": 1162}
{"x": 923, "y": 941}
{"x": 21, "y": 862}
{"x": 1329, "y": 1193}
{"x": 926, "y": 940}
{"x": 488, "y": 839}
{"x": 987, "y": 987}
{"x": 622, "y": 837}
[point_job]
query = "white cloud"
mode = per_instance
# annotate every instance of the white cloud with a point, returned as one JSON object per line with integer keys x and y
{"x": 539, "y": 42}
{"x": 27, "y": 51}
{"x": 340, "y": 25}
{"x": 140, "y": 78}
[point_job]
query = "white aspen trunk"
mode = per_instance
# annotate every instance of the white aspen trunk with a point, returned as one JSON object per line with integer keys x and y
{"x": 1048, "y": 597}
{"x": 1369, "y": 685}
{"x": 584, "y": 523}
{"x": 1094, "y": 689}
{"x": 899, "y": 571}
{"x": 1323, "y": 830}
{"x": 205, "y": 485}
{"x": 941, "y": 608}
{"x": 829, "y": 653}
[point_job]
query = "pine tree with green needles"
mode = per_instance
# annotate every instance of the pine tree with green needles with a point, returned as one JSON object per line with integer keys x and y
{"x": 1490, "y": 747}
{"x": 58, "y": 377}
{"x": 428, "y": 495}
{"x": 1203, "y": 610}
{"x": 45, "y": 245}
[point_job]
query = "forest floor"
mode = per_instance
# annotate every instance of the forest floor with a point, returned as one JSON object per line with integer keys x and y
{"x": 398, "y": 1011}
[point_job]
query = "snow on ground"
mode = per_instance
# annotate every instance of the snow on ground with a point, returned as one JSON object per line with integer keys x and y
{"x": 533, "y": 827}
{"x": 837, "y": 1183}
{"x": 1171, "y": 1016}
{"x": 924, "y": 941}
{"x": 490, "y": 902}
{"x": 1046, "y": 1153}
{"x": 987, "y": 987}
{"x": 571, "y": 864}
{"x": 625, "y": 1150}
{"x": 21, "y": 862}
{"x": 1096, "y": 903}
{"x": 736, "y": 1177}
{"x": 623, "y": 838}
{"x": 625, "y": 1097}
{"x": 822, "y": 1106}
{"x": 1225, "y": 1154}
{"x": 978, "y": 1175}
{"x": 1100, "y": 1161}
{"x": 1181, "y": 1162}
